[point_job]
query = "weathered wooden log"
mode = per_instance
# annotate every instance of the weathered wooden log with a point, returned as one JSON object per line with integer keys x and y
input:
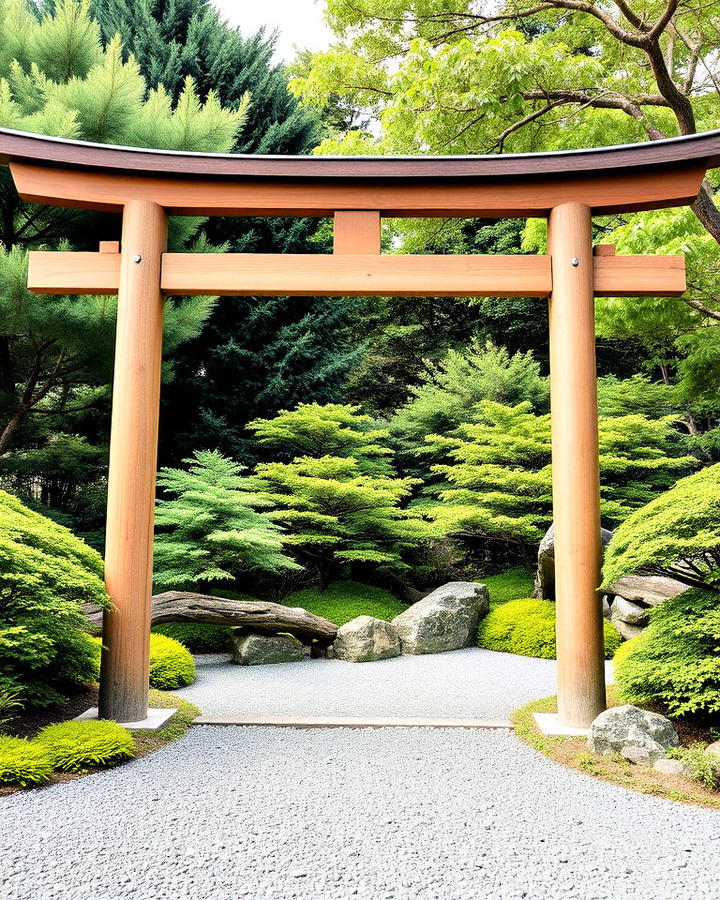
{"x": 260, "y": 615}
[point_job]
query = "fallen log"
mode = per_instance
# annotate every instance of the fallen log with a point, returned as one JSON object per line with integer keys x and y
{"x": 260, "y": 615}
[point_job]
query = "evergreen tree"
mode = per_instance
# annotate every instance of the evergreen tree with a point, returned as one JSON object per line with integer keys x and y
{"x": 211, "y": 526}
{"x": 57, "y": 77}
{"x": 498, "y": 479}
{"x": 272, "y": 351}
{"x": 339, "y": 498}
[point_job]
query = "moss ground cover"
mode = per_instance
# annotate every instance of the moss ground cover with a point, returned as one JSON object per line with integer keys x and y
{"x": 511, "y": 585}
{"x": 343, "y": 601}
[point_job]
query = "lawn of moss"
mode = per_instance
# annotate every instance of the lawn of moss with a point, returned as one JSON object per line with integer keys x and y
{"x": 343, "y": 601}
{"x": 515, "y": 584}
{"x": 145, "y": 741}
{"x": 573, "y": 752}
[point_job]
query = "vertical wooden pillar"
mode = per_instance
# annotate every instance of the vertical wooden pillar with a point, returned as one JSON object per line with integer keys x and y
{"x": 133, "y": 461}
{"x": 575, "y": 468}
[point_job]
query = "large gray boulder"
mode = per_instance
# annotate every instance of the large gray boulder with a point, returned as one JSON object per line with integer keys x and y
{"x": 446, "y": 619}
{"x": 545, "y": 576}
{"x": 636, "y": 734}
{"x": 366, "y": 639}
{"x": 649, "y": 590}
{"x": 251, "y": 648}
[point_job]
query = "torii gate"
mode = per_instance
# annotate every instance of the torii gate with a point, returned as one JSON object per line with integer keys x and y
{"x": 566, "y": 187}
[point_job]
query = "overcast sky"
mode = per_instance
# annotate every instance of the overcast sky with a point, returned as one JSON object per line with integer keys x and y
{"x": 300, "y": 22}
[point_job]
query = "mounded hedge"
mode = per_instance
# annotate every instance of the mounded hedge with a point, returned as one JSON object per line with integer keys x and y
{"x": 76, "y": 746}
{"x": 171, "y": 664}
{"x": 527, "y": 628}
{"x": 24, "y": 762}
{"x": 675, "y": 662}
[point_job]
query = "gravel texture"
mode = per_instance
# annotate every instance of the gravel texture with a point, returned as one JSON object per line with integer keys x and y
{"x": 361, "y": 813}
{"x": 470, "y": 683}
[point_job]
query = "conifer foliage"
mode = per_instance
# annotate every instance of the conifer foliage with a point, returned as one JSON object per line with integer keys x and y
{"x": 339, "y": 498}
{"x": 211, "y": 527}
{"x": 497, "y": 480}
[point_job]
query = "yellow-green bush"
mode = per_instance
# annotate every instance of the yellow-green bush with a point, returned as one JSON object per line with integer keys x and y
{"x": 171, "y": 664}
{"x": 23, "y": 762}
{"x": 624, "y": 650}
{"x": 527, "y": 628}
{"x": 75, "y": 746}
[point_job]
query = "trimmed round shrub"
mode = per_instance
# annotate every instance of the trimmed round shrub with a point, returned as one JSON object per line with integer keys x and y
{"x": 171, "y": 664}
{"x": 76, "y": 746}
{"x": 675, "y": 662}
{"x": 527, "y": 628}
{"x": 198, "y": 638}
{"x": 23, "y": 762}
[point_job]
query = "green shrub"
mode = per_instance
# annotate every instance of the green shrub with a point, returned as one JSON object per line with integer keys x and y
{"x": 676, "y": 534}
{"x": 24, "y": 763}
{"x": 527, "y": 628}
{"x": 171, "y": 664}
{"x": 343, "y": 601}
{"x": 624, "y": 650}
{"x": 675, "y": 663}
{"x": 514, "y": 584}
{"x": 76, "y": 746}
{"x": 198, "y": 638}
{"x": 46, "y": 573}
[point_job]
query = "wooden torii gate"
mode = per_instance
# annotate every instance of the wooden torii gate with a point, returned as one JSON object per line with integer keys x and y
{"x": 146, "y": 186}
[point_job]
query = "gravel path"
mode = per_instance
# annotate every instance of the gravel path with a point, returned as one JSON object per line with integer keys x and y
{"x": 470, "y": 683}
{"x": 408, "y": 814}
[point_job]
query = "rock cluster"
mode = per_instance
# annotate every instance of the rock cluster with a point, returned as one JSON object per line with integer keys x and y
{"x": 447, "y": 619}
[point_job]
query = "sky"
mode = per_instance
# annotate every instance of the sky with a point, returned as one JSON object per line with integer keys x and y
{"x": 300, "y": 22}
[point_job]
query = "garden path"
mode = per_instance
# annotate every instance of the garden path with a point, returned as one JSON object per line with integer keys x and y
{"x": 374, "y": 814}
{"x": 472, "y": 683}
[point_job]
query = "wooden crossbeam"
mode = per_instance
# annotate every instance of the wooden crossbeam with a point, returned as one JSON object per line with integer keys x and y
{"x": 346, "y": 274}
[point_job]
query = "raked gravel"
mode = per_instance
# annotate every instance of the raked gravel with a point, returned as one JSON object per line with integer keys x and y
{"x": 359, "y": 813}
{"x": 470, "y": 683}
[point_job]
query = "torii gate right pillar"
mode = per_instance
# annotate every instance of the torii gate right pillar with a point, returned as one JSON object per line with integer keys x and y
{"x": 575, "y": 466}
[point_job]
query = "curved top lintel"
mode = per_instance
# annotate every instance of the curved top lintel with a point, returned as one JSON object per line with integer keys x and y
{"x": 672, "y": 170}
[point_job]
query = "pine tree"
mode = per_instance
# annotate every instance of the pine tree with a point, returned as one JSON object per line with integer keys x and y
{"x": 339, "y": 498}
{"x": 57, "y": 78}
{"x": 211, "y": 525}
{"x": 273, "y": 351}
{"x": 498, "y": 478}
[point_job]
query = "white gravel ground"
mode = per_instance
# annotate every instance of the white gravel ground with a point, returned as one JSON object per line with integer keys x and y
{"x": 407, "y": 814}
{"x": 367, "y": 813}
{"x": 470, "y": 683}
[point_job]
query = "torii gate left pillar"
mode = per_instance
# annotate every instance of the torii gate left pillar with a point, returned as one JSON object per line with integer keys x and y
{"x": 133, "y": 464}
{"x": 567, "y": 188}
